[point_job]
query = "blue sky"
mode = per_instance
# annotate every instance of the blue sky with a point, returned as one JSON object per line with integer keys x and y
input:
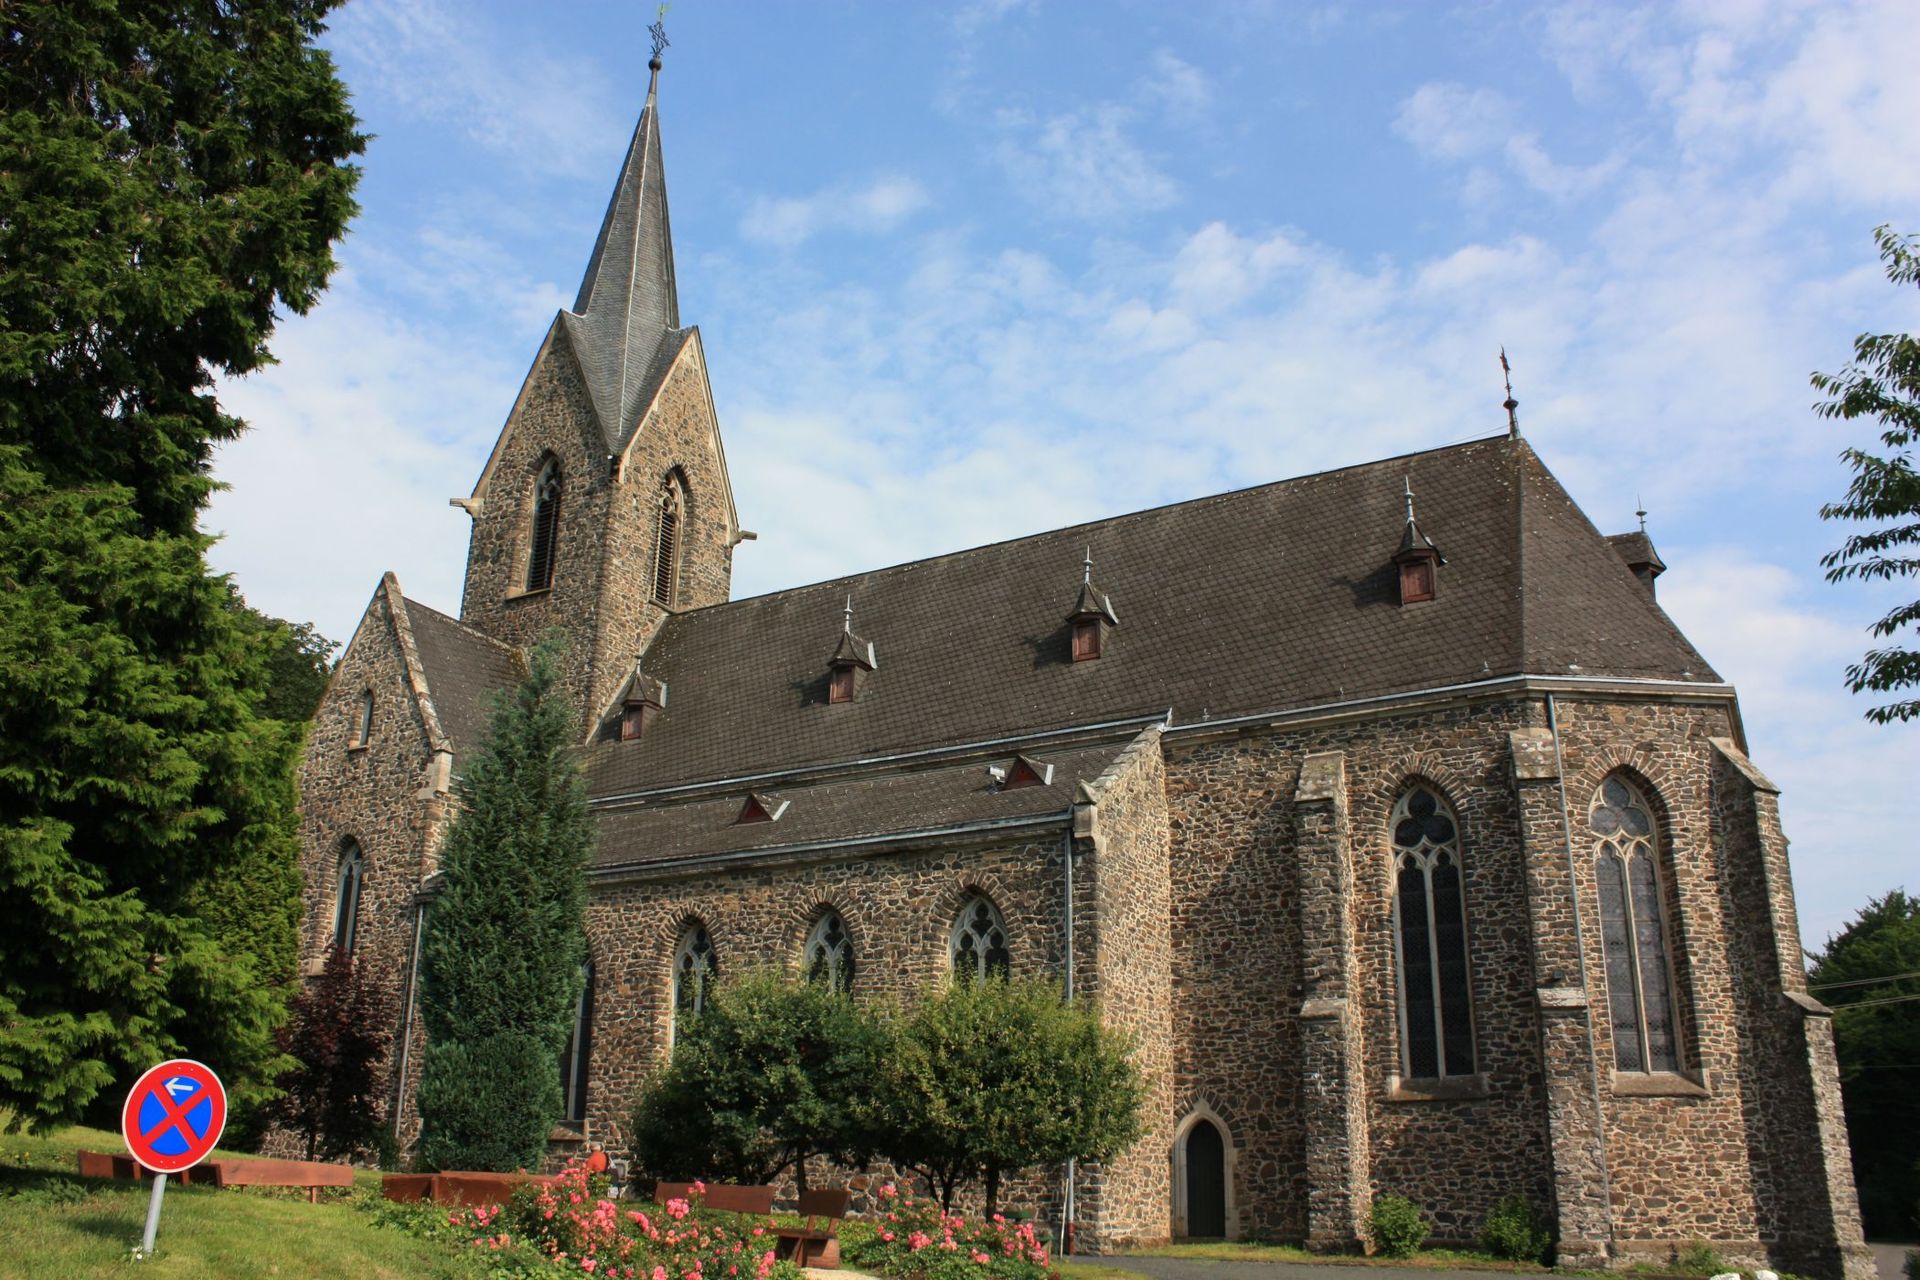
{"x": 972, "y": 271}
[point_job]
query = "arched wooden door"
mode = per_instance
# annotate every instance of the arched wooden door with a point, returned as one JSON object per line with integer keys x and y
{"x": 1206, "y": 1182}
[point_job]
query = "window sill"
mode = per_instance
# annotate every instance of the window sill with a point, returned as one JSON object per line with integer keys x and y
{"x": 524, "y": 593}
{"x": 355, "y": 748}
{"x": 1438, "y": 1088}
{"x": 1658, "y": 1084}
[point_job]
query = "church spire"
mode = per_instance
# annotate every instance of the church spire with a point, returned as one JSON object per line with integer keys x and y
{"x": 628, "y": 303}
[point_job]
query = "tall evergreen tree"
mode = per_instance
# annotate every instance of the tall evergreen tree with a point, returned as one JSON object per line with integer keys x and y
{"x": 170, "y": 173}
{"x": 505, "y": 940}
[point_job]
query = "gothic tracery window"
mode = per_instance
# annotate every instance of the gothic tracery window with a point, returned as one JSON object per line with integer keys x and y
{"x": 1430, "y": 937}
{"x": 979, "y": 942}
{"x": 829, "y": 953}
{"x": 545, "y": 532}
{"x": 695, "y": 968}
{"x": 346, "y": 896}
{"x": 666, "y": 543}
{"x": 1633, "y": 929}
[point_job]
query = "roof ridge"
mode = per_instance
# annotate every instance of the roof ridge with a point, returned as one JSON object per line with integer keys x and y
{"x": 417, "y": 682}
{"x": 1245, "y": 491}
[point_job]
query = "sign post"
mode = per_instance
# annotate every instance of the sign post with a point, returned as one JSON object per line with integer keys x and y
{"x": 173, "y": 1117}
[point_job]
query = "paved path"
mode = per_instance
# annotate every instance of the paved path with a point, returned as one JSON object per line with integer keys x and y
{"x": 1892, "y": 1258}
{"x": 1213, "y": 1269}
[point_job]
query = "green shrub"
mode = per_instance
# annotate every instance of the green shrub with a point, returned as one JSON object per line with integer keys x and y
{"x": 489, "y": 1103}
{"x": 1397, "y": 1227}
{"x": 1913, "y": 1264}
{"x": 1699, "y": 1259}
{"x": 1517, "y": 1231}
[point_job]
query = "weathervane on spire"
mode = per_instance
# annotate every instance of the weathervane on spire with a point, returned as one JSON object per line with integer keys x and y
{"x": 847, "y": 626}
{"x": 659, "y": 33}
{"x": 1409, "y": 497}
{"x": 1510, "y": 404}
{"x": 1642, "y": 512}
{"x": 1086, "y": 566}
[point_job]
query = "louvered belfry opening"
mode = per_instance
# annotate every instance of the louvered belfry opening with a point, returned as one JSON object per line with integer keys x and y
{"x": 546, "y": 528}
{"x": 666, "y": 545}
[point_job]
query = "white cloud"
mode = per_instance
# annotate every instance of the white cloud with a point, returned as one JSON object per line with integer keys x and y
{"x": 1179, "y": 86}
{"x": 1083, "y": 164}
{"x": 1453, "y": 121}
{"x": 429, "y": 58}
{"x": 880, "y": 206}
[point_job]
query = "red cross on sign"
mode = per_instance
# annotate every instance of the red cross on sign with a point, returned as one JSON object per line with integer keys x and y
{"x": 174, "y": 1115}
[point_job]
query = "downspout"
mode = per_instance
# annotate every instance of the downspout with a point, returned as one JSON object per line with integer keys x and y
{"x": 1579, "y": 931}
{"x": 1066, "y": 1198}
{"x": 406, "y": 1017}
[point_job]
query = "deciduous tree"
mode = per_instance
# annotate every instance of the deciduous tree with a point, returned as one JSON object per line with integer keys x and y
{"x": 338, "y": 1039}
{"x": 1882, "y": 384}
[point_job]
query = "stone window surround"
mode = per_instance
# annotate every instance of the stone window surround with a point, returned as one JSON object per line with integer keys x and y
{"x": 363, "y": 732}
{"x": 1685, "y": 1080}
{"x": 350, "y": 865}
{"x": 962, "y": 926}
{"x": 1400, "y": 1086}
{"x": 843, "y": 954}
{"x": 692, "y": 930}
{"x": 517, "y": 588}
{"x": 1178, "y": 1156}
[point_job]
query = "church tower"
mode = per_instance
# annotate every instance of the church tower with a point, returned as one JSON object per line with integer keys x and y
{"x": 605, "y": 505}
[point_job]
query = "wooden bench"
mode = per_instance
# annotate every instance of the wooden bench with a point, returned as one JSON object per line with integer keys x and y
{"x": 815, "y": 1243}
{"x": 309, "y": 1174}
{"x": 718, "y": 1195}
{"x": 454, "y": 1186}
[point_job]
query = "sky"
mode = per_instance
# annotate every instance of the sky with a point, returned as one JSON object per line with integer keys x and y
{"x": 972, "y": 271}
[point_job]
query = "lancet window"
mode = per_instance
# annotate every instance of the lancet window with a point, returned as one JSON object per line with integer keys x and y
{"x": 979, "y": 943}
{"x": 666, "y": 543}
{"x": 346, "y": 896}
{"x": 545, "y": 533}
{"x": 573, "y": 1059}
{"x": 829, "y": 953}
{"x": 1430, "y": 936}
{"x": 1633, "y": 929}
{"x": 695, "y": 969}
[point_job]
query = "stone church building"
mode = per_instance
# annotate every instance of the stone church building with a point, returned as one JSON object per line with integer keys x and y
{"x": 1420, "y": 853}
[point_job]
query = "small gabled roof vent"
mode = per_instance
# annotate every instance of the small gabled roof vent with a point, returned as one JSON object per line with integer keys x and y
{"x": 641, "y": 703}
{"x": 852, "y": 659}
{"x": 1027, "y": 772}
{"x": 1419, "y": 558}
{"x": 761, "y": 806}
{"x": 1092, "y": 616}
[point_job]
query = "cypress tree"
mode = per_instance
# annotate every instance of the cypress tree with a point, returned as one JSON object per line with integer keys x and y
{"x": 505, "y": 942}
{"x": 170, "y": 174}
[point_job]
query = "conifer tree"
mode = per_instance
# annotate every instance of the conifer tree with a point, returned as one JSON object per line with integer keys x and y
{"x": 505, "y": 941}
{"x": 170, "y": 173}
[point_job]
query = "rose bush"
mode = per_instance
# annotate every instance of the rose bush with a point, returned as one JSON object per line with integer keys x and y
{"x": 571, "y": 1224}
{"x": 915, "y": 1240}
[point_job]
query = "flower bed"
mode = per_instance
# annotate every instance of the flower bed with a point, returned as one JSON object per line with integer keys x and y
{"x": 913, "y": 1240}
{"x": 570, "y": 1227}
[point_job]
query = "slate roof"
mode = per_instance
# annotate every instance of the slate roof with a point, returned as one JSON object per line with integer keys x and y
{"x": 848, "y": 808}
{"x": 625, "y": 323}
{"x": 463, "y": 669}
{"x": 1258, "y": 600}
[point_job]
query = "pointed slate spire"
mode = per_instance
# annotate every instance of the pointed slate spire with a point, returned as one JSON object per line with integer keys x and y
{"x": 628, "y": 304}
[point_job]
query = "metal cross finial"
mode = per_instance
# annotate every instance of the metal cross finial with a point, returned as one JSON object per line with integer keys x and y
{"x": 1086, "y": 566}
{"x": 1509, "y": 404}
{"x": 848, "y": 626}
{"x": 1409, "y": 497}
{"x": 659, "y": 33}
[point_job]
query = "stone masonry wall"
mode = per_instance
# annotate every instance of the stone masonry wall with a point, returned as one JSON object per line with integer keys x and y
{"x": 675, "y": 443}
{"x": 373, "y": 795}
{"x": 1125, "y": 1203}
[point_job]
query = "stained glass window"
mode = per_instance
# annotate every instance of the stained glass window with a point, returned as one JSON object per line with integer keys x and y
{"x": 980, "y": 941}
{"x": 695, "y": 967}
{"x": 829, "y": 953}
{"x": 1430, "y": 932}
{"x": 546, "y": 528}
{"x": 1633, "y": 930}
{"x": 346, "y": 899}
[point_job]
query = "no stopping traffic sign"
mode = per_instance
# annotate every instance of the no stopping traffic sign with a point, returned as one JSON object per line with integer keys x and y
{"x": 174, "y": 1115}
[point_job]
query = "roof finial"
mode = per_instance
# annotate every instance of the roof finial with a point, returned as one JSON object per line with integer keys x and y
{"x": 1409, "y": 497}
{"x": 1086, "y": 567}
{"x": 1642, "y": 512}
{"x": 848, "y": 625}
{"x": 659, "y": 33}
{"x": 1510, "y": 404}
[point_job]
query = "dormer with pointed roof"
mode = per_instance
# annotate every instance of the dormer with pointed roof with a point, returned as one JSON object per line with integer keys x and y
{"x": 1419, "y": 560}
{"x": 1091, "y": 618}
{"x": 616, "y": 414}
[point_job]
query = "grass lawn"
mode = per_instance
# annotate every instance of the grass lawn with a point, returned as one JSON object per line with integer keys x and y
{"x": 55, "y": 1225}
